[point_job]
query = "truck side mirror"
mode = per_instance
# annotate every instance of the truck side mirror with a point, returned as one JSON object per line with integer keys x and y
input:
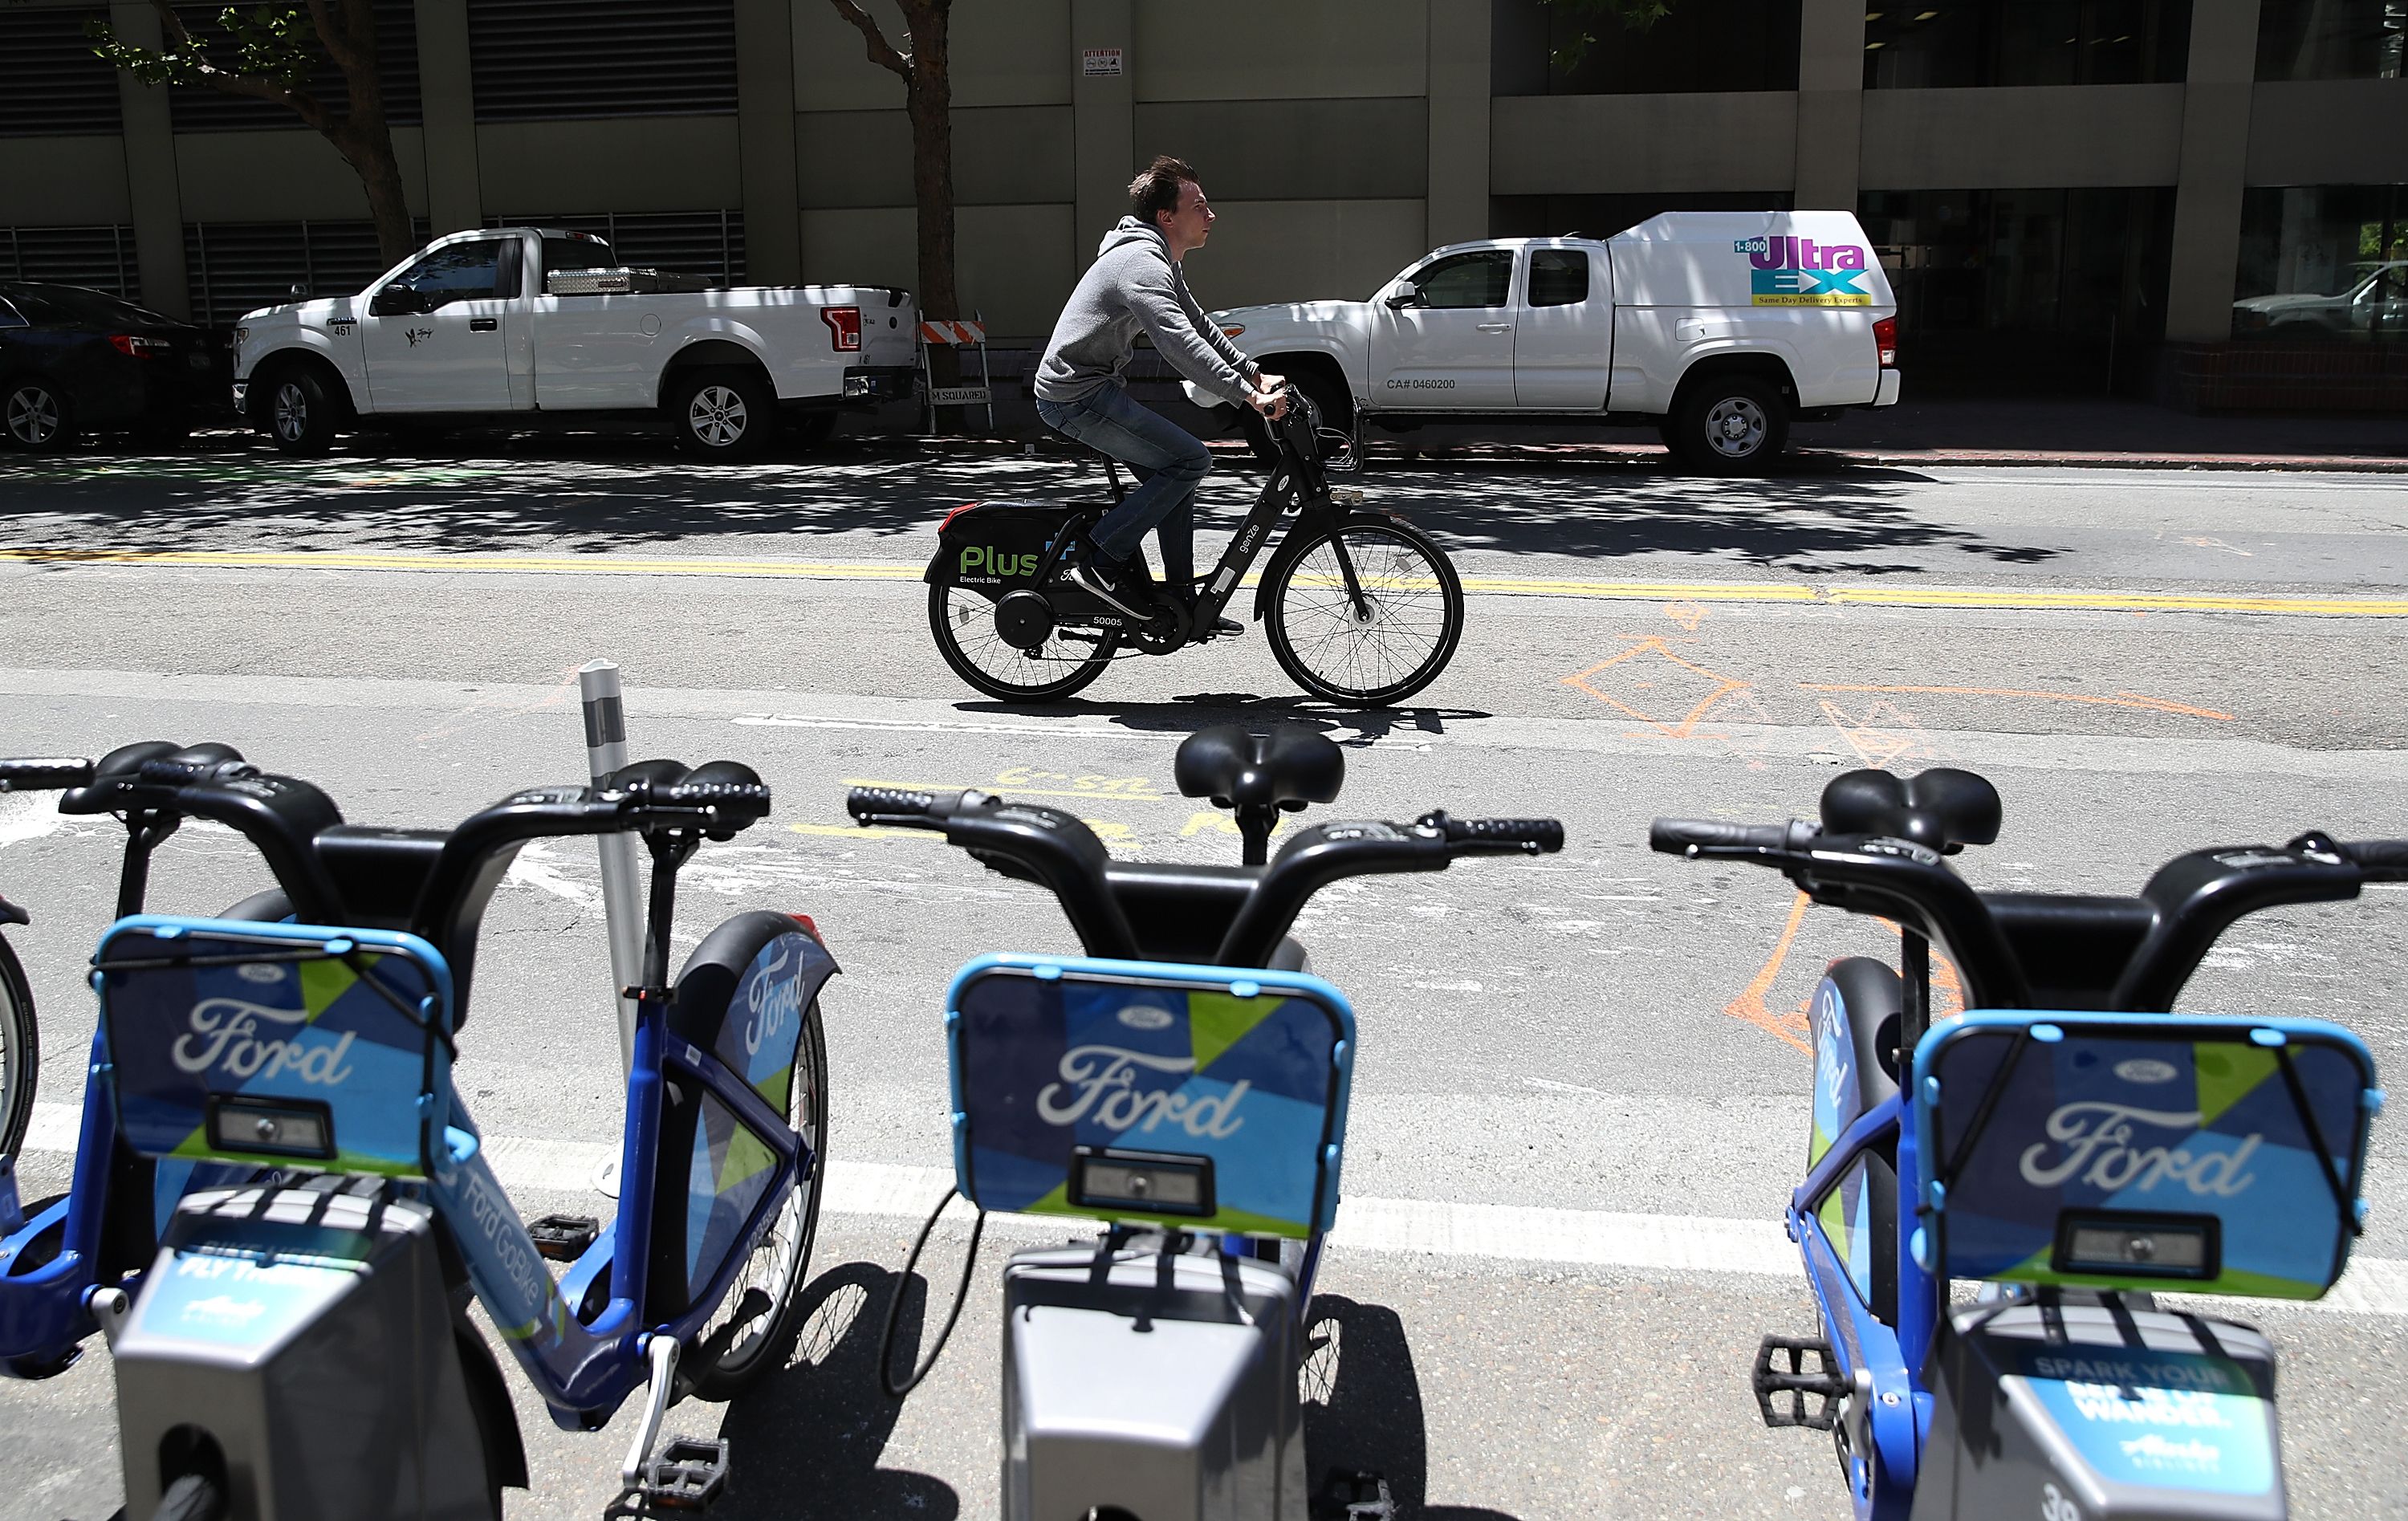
{"x": 1409, "y": 296}
{"x": 396, "y": 301}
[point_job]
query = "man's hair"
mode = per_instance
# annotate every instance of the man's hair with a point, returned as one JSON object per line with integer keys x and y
{"x": 1157, "y": 189}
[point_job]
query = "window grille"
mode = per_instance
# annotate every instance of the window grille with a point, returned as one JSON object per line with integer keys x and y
{"x": 51, "y": 84}
{"x": 707, "y": 243}
{"x": 233, "y": 267}
{"x": 552, "y": 59}
{"x": 100, "y": 257}
{"x": 199, "y": 109}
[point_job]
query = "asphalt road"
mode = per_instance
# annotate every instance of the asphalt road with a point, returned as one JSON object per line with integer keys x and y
{"x": 1582, "y": 1094}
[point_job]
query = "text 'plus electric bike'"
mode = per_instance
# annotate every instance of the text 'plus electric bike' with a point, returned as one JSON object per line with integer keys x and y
{"x": 1183, "y": 1083}
{"x": 2069, "y": 1144}
{"x": 1362, "y": 609}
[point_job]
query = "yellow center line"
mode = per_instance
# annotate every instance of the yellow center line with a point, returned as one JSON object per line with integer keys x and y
{"x": 2001, "y": 599}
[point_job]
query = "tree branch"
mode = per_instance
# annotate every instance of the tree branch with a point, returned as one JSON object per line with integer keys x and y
{"x": 881, "y": 53}
{"x": 331, "y": 38}
{"x": 183, "y": 62}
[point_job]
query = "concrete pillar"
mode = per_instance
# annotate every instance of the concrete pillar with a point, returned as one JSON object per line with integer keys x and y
{"x": 1830, "y": 103}
{"x": 765, "y": 138}
{"x": 152, "y": 186}
{"x": 2214, "y": 162}
{"x": 455, "y": 199}
{"x": 1458, "y": 121}
{"x": 1103, "y": 120}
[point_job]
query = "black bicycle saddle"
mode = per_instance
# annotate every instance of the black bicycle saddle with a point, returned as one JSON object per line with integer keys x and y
{"x": 1285, "y": 768}
{"x": 1944, "y": 807}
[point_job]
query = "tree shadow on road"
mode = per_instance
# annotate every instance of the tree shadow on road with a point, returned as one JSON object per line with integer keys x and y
{"x": 598, "y": 494}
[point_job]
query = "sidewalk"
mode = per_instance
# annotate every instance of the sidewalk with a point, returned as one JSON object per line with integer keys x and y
{"x": 2094, "y": 433}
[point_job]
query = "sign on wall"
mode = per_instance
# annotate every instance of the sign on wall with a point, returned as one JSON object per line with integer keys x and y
{"x": 1099, "y": 61}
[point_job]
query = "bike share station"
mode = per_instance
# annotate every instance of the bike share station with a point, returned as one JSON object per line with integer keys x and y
{"x": 281, "y": 1205}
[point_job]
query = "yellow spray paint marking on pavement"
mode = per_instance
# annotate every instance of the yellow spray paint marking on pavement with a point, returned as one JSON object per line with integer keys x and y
{"x": 2000, "y": 599}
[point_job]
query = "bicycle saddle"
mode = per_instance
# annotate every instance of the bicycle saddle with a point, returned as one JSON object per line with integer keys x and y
{"x": 1944, "y": 807}
{"x": 1285, "y": 769}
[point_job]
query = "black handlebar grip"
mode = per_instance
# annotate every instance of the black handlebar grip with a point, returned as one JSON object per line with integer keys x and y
{"x": 1543, "y": 835}
{"x": 867, "y": 803}
{"x": 2386, "y": 860}
{"x": 1674, "y": 837}
{"x": 34, "y": 775}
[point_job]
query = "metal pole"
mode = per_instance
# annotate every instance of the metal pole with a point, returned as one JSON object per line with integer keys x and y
{"x": 622, "y": 895}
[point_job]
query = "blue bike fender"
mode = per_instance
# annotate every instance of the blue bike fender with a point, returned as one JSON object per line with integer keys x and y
{"x": 1870, "y": 1126}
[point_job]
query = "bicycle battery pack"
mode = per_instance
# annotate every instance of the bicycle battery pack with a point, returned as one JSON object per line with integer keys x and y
{"x": 249, "y": 1332}
{"x": 287, "y": 1045}
{"x": 1191, "y": 1098}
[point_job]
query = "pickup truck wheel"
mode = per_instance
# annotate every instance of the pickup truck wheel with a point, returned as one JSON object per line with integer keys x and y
{"x": 1733, "y": 425}
{"x": 724, "y": 413}
{"x": 298, "y": 414}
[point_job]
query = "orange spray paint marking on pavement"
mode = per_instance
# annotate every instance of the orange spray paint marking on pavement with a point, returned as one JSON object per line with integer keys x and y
{"x": 2121, "y": 699}
{"x": 1750, "y": 1005}
{"x": 1625, "y": 672}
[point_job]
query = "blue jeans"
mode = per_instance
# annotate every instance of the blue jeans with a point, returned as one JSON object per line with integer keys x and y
{"x": 1170, "y": 465}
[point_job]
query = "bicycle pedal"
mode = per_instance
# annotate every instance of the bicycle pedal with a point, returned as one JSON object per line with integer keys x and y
{"x": 563, "y": 1238}
{"x": 1781, "y": 1369}
{"x": 686, "y": 1473}
{"x": 1354, "y": 1496}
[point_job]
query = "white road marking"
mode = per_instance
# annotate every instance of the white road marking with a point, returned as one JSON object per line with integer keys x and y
{"x": 29, "y": 815}
{"x": 1489, "y": 1232}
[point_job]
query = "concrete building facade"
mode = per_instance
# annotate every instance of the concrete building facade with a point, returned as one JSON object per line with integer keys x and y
{"x": 2061, "y": 188}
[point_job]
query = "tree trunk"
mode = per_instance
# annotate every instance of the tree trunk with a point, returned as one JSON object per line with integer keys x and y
{"x": 365, "y": 142}
{"x": 931, "y": 108}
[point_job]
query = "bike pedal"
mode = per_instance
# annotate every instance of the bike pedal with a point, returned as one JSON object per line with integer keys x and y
{"x": 1354, "y": 1496}
{"x": 686, "y": 1473}
{"x": 1781, "y": 1369}
{"x": 563, "y": 1238}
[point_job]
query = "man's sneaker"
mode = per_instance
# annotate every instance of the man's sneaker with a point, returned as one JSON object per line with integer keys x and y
{"x": 1112, "y": 585}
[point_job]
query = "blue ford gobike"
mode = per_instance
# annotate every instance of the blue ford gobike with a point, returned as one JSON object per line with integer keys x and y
{"x": 299, "y": 1344}
{"x": 2069, "y": 1145}
{"x": 1184, "y": 1083}
{"x": 20, "y": 1057}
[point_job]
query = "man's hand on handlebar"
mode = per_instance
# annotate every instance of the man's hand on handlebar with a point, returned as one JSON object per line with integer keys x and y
{"x": 1270, "y": 399}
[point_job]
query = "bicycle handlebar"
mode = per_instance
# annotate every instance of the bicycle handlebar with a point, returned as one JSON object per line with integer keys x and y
{"x": 1055, "y": 849}
{"x": 2382, "y": 860}
{"x": 44, "y": 775}
{"x": 1679, "y": 837}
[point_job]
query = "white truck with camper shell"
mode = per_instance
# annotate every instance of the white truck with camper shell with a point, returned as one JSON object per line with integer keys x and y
{"x": 1719, "y": 329}
{"x": 510, "y": 322}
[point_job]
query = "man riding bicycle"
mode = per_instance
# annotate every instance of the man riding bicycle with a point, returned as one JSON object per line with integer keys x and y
{"x": 1135, "y": 286}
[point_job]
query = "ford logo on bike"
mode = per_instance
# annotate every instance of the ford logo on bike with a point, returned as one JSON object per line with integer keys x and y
{"x": 2146, "y": 1069}
{"x": 254, "y": 972}
{"x": 1145, "y": 1016}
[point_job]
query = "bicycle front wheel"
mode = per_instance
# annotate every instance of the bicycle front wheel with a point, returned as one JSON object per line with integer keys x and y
{"x": 21, "y": 1054}
{"x": 1367, "y": 614}
{"x": 746, "y": 1336}
{"x": 963, "y": 623}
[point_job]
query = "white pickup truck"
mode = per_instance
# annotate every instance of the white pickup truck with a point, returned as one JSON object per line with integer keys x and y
{"x": 1720, "y": 328}
{"x": 514, "y": 321}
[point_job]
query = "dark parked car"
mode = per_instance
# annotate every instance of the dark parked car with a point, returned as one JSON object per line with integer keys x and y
{"x": 78, "y": 360}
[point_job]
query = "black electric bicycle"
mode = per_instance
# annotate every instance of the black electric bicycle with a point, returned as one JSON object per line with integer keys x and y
{"x": 1362, "y": 608}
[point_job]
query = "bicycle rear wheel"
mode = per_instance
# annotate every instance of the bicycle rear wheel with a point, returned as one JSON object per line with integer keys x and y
{"x": 963, "y": 623}
{"x": 20, "y": 1053}
{"x": 1393, "y": 644}
{"x": 747, "y": 1334}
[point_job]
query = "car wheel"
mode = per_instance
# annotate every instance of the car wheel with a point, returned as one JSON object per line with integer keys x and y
{"x": 298, "y": 414}
{"x": 1734, "y": 425}
{"x": 724, "y": 413}
{"x": 36, "y": 415}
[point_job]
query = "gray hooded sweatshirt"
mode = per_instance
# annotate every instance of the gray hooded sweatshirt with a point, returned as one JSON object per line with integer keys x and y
{"x": 1133, "y": 287}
